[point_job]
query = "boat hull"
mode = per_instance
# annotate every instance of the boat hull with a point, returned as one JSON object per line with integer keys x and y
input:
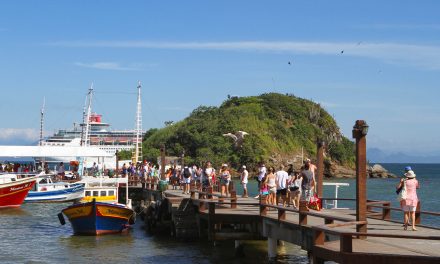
{"x": 74, "y": 193}
{"x": 13, "y": 194}
{"x": 95, "y": 218}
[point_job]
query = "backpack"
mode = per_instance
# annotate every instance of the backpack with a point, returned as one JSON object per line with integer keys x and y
{"x": 186, "y": 172}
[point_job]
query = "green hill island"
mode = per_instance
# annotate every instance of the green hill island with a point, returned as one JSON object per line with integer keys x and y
{"x": 282, "y": 129}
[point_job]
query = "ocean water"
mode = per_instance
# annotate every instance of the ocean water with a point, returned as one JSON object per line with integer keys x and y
{"x": 32, "y": 233}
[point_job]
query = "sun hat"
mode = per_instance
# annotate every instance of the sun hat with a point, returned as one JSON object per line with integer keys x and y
{"x": 225, "y": 165}
{"x": 410, "y": 174}
{"x": 244, "y": 166}
{"x": 408, "y": 168}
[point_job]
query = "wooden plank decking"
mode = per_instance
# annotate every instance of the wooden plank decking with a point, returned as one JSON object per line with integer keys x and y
{"x": 426, "y": 242}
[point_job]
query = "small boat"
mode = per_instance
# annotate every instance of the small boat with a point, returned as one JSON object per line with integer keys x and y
{"x": 45, "y": 190}
{"x": 102, "y": 188}
{"x": 97, "y": 218}
{"x": 14, "y": 188}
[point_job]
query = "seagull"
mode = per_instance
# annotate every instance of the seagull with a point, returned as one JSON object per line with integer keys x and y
{"x": 237, "y": 137}
{"x": 342, "y": 51}
{"x": 289, "y": 63}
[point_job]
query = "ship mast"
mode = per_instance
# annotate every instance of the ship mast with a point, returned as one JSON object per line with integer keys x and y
{"x": 42, "y": 122}
{"x": 89, "y": 113}
{"x": 137, "y": 154}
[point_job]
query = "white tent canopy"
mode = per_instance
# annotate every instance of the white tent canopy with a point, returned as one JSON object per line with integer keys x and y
{"x": 51, "y": 151}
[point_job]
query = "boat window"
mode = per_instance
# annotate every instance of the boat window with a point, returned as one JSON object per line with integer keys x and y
{"x": 87, "y": 193}
{"x": 111, "y": 193}
{"x": 103, "y": 193}
{"x": 95, "y": 193}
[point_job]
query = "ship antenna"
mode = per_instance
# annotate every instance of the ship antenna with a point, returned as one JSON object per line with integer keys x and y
{"x": 138, "y": 130}
{"x": 42, "y": 121}
{"x": 89, "y": 112}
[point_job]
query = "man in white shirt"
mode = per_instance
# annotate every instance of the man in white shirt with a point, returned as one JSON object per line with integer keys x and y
{"x": 244, "y": 181}
{"x": 281, "y": 179}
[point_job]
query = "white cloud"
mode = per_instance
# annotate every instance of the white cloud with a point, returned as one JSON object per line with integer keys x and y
{"x": 114, "y": 66}
{"x": 23, "y": 134}
{"x": 424, "y": 56}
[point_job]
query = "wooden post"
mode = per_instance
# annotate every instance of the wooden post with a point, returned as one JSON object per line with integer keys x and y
{"x": 272, "y": 247}
{"x": 302, "y": 209}
{"x": 319, "y": 237}
{"x": 386, "y": 212}
{"x": 209, "y": 191}
{"x": 281, "y": 214}
{"x": 162, "y": 161}
{"x": 346, "y": 245}
{"x": 263, "y": 208}
{"x": 418, "y": 214}
{"x": 211, "y": 221}
{"x": 320, "y": 165}
{"x": 233, "y": 199}
{"x": 360, "y": 130}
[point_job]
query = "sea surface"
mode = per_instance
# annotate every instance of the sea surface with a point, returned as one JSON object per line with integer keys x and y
{"x": 33, "y": 234}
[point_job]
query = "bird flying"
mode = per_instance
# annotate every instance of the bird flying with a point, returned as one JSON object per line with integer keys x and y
{"x": 238, "y": 137}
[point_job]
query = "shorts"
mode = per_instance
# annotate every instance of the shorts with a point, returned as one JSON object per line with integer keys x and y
{"x": 294, "y": 188}
{"x": 265, "y": 193}
{"x": 409, "y": 208}
{"x": 244, "y": 185}
{"x": 187, "y": 180}
{"x": 282, "y": 192}
{"x": 273, "y": 190}
{"x": 306, "y": 194}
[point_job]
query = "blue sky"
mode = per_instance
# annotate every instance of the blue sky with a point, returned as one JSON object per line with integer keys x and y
{"x": 192, "y": 53}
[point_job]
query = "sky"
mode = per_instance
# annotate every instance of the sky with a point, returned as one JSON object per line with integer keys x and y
{"x": 373, "y": 60}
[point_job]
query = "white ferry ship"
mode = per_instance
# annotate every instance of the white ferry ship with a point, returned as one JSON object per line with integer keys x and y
{"x": 100, "y": 136}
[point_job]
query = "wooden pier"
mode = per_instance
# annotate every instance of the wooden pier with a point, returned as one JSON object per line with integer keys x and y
{"x": 365, "y": 235}
{"x": 327, "y": 235}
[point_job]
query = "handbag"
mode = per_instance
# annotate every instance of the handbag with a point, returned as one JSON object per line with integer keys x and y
{"x": 315, "y": 203}
{"x": 402, "y": 194}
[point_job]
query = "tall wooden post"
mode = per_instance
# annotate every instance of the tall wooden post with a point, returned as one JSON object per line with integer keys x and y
{"x": 360, "y": 131}
{"x": 162, "y": 162}
{"x": 320, "y": 165}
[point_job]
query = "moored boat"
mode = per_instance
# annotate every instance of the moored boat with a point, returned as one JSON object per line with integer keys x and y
{"x": 45, "y": 190}
{"x": 13, "y": 189}
{"x": 97, "y": 218}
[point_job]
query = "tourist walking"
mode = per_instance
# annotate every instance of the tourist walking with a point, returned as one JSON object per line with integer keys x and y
{"x": 272, "y": 185}
{"x": 208, "y": 173}
{"x": 187, "y": 172}
{"x": 282, "y": 179}
{"x": 409, "y": 199}
{"x": 261, "y": 174}
{"x": 244, "y": 180}
{"x": 225, "y": 179}
{"x": 308, "y": 182}
{"x": 295, "y": 189}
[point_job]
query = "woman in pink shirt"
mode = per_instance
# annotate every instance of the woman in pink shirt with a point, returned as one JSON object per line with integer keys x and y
{"x": 409, "y": 203}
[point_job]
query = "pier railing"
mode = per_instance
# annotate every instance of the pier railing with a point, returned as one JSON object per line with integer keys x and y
{"x": 375, "y": 208}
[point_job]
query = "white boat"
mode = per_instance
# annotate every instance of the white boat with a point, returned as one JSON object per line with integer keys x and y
{"x": 46, "y": 190}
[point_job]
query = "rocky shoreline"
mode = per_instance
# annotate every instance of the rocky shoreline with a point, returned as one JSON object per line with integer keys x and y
{"x": 336, "y": 171}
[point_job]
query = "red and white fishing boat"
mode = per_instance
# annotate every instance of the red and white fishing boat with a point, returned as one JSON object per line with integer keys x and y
{"x": 14, "y": 189}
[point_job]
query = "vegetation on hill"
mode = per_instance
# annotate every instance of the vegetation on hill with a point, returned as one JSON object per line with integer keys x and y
{"x": 279, "y": 127}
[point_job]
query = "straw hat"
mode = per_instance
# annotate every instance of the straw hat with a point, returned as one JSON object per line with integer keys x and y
{"x": 410, "y": 174}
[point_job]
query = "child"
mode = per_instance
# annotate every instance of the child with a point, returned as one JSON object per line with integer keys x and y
{"x": 264, "y": 191}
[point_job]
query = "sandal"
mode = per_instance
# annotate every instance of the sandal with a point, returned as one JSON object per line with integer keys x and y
{"x": 405, "y": 227}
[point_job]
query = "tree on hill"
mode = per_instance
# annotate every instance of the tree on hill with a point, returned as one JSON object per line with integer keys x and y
{"x": 279, "y": 126}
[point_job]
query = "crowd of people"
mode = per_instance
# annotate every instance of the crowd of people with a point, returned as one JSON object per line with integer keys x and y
{"x": 286, "y": 188}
